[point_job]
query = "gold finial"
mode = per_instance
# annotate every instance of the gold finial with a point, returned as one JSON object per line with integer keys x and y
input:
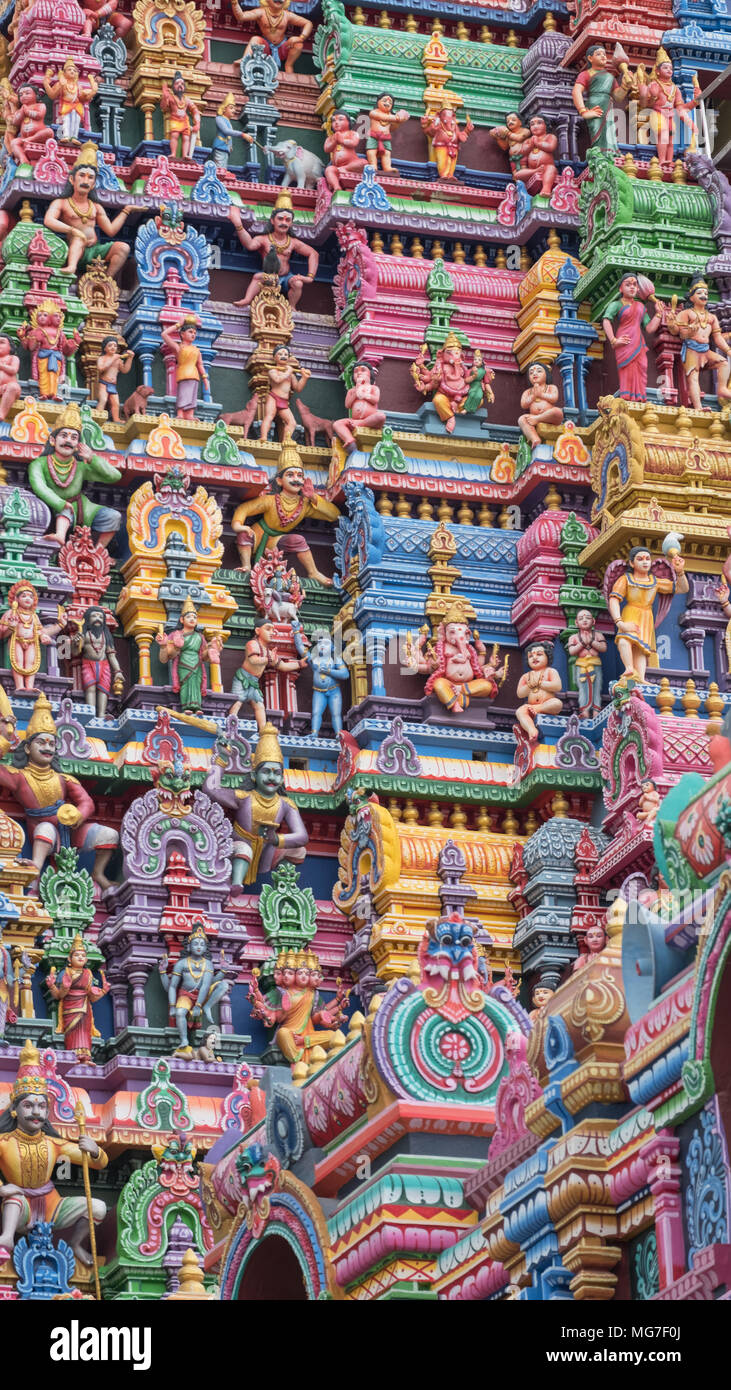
{"x": 26, "y": 211}
{"x": 654, "y": 170}
{"x": 485, "y": 34}
{"x": 384, "y": 505}
{"x": 384, "y": 20}
{"x": 509, "y": 824}
{"x": 714, "y": 710}
{"x": 501, "y": 260}
{"x": 377, "y": 243}
{"x": 436, "y": 252}
{"x": 690, "y": 700}
{"x": 554, "y": 240}
{"x": 458, "y": 818}
{"x": 458, "y": 253}
{"x": 549, "y": 23}
{"x": 358, "y": 15}
{"x": 482, "y": 821}
{"x": 411, "y": 813}
{"x": 614, "y": 921}
{"x": 512, "y": 39}
{"x": 435, "y": 814}
{"x": 417, "y": 249}
{"x": 525, "y": 260}
{"x": 629, "y": 167}
{"x": 396, "y": 246}
{"x": 559, "y": 805}
{"x": 403, "y": 505}
{"x": 553, "y": 499}
{"x": 191, "y": 1283}
{"x": 394, "y": 808}
{"x": 665, "y": 697}
{"x": 480, "y": 255}
{"x": 462, "y": 32}
{"x": 411, "y": 25}
{"x": 530, "y": 824}
{"x": 679, "y": 172}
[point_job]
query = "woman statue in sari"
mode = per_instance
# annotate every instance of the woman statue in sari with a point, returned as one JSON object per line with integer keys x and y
{"x": 623, "y": 323}
{"x": 630, "y": 606}
{"x": 592, "y": 96}
{"x": 76, "y": 992}
{"x": 188, "y": 650}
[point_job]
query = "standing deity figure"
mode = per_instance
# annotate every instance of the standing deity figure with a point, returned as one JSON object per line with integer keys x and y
{"x": 26, "y": 124}
{"x": 57, "y": 807}
{"x": 273, "y": 20}
{"x": 448, "y": 378}
{"x": 362, "y": 402}
{"x": 193, "y": 987}
{"x": 537, "y": 159}
{"x": 182, "y": 118}
{"x": 78, "y": 217}
{"x": 114, "y": 358}
{"x": 539, "y": 687}
{"x": 630, "y": 607}
{"x": 105, "y": 12}
{"x": 539, "y": 404}
{"x": 225, "y": 135}
{"x": 27, "y": 635}
{"x": 29, "y": 1150}
{"x": 342, "y": 145}
{"x": 327, "y": 672}
{"x": 190, "y": 369}
{"x": 445, "y": 137}
{"x": 277, "y": 239}
{"x": 511, "y": 137}
{"x": 586, "y": 646}
{"x": 258, "y": 658}
{"x": 72, "y": 94}
{"x": 10, "y": 387}
{"x": 291, "y": 501}
{"x": 697, "y": 327}
{"x": 100, "y": 670}
{"x": 189, "y": 650}
{"x": 268, "y": 828}
{"x": 61, "y": 475}
{"x": 457, "y": 663}
{"x": 592, "y": 96}
{"x": 48, "y": 346}
{"x": 662, "y": 97}
{"x": 380, "y": 134}
{"x": 623, "y": 322}
{"x": 302, "y": 1022}
{"x": 76, "y": 992}
{"x": 283, "y": 383}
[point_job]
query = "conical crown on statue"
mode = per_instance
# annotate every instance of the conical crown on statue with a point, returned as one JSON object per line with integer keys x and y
{"x": 30, "y": 1079}
{"x": 267, "y": 749}
{"x": 70, "y": 418}
{"x": 41, "y": 720}
{"x": 289, "y": 456}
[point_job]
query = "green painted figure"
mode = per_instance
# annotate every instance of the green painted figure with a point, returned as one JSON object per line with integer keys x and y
{"x": 592, "y": 97}
{"x": 188, "y": 650}
{"x": 61, "y": 475}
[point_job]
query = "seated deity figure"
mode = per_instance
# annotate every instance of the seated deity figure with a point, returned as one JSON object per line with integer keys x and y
{"x": 193, "y": 987}
{"x": 303, "y": 1024}
{"x": 457, "y": 663}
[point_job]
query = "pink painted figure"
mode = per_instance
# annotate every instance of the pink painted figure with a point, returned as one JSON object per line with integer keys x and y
{"x": 649, "y": 802}
{"x": 539, "y": 404}
{"x": 697, "y": 327}
{"x": 362, "y": 402}
{"x": 511, "y": 137}
{"x": 537, "y": 155}
{"x": 623, "y": 323}
{"x": 273, "y": 20}
{"x": 113, "y": 359}
{"x": 341, "y": 145}
{"x": 10, "y": 387}
{"x": 380, "y": 134}
{"x": 22, "y": 626}
{"x": 105, "y": 12}
{"x": 595, "y": 940}
{"x": 48, "y": 346}
{"x": 284, "y": 381}
{"x": 539, "y": 688}
{"x": 448, "y": 378}
{"x": 662, "y": 98}
{"x": 27, "y": 124}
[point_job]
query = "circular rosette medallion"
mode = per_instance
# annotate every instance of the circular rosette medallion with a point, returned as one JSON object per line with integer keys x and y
{"x": 426, "y": 1055}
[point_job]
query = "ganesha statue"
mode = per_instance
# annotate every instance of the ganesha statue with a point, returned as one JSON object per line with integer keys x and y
{"x": 456, "y": 662}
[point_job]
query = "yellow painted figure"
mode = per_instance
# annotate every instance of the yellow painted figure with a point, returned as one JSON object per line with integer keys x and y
{"x": 29, "y": 1151}
{"x": 292, "y": 501}
{"x": 630, "y": 605}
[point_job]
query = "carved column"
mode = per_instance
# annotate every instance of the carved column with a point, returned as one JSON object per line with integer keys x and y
{"x": 138, "y": 979}
{"x": 663, "y": 1174}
